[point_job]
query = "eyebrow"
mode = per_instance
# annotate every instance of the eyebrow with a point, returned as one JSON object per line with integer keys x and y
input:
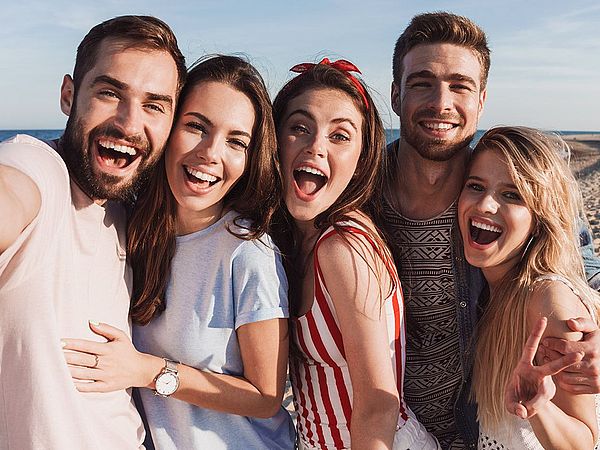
{"x": 206, "y": 120}
{"x": 124, "y": 87}
{"x": 452, "y": 76}
{"x": 305, "y": 113}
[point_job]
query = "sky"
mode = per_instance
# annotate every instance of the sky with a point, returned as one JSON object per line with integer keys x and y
{"x": 545, "y": 54}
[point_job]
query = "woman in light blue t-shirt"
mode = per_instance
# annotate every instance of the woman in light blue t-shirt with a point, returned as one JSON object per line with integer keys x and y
{"x": 209, "y": 297}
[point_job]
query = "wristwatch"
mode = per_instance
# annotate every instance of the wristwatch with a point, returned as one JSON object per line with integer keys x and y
{"x": 167, "y": 381}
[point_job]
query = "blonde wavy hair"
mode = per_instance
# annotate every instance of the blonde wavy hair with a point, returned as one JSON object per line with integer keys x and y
{"x": 539, "y": 169}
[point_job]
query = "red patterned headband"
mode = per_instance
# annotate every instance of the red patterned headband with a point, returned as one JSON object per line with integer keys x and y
{"x": 343, "y": 66}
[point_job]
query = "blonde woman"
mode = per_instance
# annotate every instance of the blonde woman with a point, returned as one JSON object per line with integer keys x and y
{"x": 517, "y": 215}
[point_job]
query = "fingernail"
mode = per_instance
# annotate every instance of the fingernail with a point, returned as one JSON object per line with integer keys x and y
{"x": 63, "y": 344}
{"x": 93, "y": 322}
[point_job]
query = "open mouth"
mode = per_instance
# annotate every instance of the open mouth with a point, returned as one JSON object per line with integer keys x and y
{"x": 483, "y": 233}
{"x": 309, "y": 180}
{"x": 199, "y": 178}
{"x": 116, "y": 155}
{"x": 439, "y": 126}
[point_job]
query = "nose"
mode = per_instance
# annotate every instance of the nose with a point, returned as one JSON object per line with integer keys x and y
{"x": 488, "y": 204}
{"x": 208, "y": 149}
{"x": 129, "y": 118}
{"x": 317, "y": 146}
{"x": 440, "y": 99}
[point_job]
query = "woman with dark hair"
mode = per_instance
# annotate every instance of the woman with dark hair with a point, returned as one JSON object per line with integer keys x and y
{"x": 347, "y": 328}
{"x": 210, "y": 293}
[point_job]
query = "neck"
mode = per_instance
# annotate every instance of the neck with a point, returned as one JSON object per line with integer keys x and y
{"x": 307, "y": 237}
{"x": 422, "y": 188}
{"x": 308, "y": 232}
{"x": 494, "y": 275}
{"x": 190, "y": 222}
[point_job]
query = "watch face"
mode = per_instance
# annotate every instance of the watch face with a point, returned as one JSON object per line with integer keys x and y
{"x": 166, "y": 383}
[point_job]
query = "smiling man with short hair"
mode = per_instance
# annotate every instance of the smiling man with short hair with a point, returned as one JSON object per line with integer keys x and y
{"x": 440, "y": 68}
{"x": 62, "y": 234}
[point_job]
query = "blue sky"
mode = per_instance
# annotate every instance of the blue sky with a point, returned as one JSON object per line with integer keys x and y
{"x": 545, "y": 54}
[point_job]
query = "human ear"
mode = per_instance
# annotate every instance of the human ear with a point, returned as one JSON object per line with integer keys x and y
{"x": 67, "y": 94}
{"x": 395, "y": 98}
{"x": 482, "y": 97}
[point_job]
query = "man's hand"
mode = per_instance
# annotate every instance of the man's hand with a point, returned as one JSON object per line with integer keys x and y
{"x": 582, "y": 377}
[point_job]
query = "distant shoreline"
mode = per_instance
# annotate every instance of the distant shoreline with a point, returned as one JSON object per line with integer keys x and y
{"x": 391, "y": 135}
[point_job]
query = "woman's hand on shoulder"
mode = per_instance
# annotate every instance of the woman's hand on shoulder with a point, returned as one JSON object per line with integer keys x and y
{"x": 108, "y": 366}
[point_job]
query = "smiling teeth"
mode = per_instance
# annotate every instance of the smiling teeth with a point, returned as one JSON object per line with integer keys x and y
{"x": 118, "y": 148}
{"x": 486, "y": 227}
{"x": 310, "y": 170}
{"x": 439, "y": 126}
{"x": 201, "y": 175}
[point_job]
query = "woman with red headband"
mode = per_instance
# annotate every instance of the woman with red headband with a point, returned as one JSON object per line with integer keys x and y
{"x": 347, "y": 309}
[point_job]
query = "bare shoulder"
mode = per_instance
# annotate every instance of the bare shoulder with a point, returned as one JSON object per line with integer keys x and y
{"x": 19, "y": 186}
{"x": 354, "y": 271}
{"x": 556, "y": 301}
{"x": 348, "y": 247}
{"x": 20, "y": 199}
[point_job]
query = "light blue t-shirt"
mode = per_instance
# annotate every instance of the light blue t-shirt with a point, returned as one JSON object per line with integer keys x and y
{"x": 218, "y": 283}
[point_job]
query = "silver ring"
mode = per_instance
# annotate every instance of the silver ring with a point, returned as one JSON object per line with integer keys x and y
{"x": 97, "y": 360}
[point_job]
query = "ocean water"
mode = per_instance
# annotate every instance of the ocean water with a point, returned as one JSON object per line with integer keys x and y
{"x": 393, "y": 134}
{"x": 40, "y": 134}
{"x": 390, "y": 134}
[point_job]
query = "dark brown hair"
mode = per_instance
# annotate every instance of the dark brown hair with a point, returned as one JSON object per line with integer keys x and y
{"x": 152, "y": 228}
{"x": 365, "y": 188}
{"x": 139, "y": 32}
{"x": 442, "y": 28}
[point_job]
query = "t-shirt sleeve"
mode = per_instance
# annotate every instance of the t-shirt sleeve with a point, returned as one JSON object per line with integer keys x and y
{"x": 46, "y": 169}
{"x": 259, "y": 283}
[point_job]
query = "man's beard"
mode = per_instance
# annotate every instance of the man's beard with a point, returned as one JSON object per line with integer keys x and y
{"x": 433, "y": 149}
{"x": 103, "y": 186}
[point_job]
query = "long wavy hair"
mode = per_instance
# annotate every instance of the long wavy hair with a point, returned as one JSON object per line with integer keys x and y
{"x": 552, "y": 195}
{"x": 255, "y": 196}
{"x": 365, "y": 188}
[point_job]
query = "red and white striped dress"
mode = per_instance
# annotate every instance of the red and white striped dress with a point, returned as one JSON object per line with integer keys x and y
{"x": 319, "y": 371}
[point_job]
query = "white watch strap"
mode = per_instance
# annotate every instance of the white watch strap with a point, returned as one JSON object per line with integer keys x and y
{"x": 171, "y": 365}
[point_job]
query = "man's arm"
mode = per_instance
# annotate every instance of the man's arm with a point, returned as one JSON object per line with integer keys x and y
{"x": 20, "y": 202}
{"x": 591, "y": 261}
{"x": 583, "y": 377}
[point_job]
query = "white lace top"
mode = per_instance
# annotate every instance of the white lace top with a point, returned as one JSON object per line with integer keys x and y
{"x": 515, "y": 433}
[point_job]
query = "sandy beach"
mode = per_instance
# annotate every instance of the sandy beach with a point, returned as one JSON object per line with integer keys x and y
{"x": 585, "y": 162}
